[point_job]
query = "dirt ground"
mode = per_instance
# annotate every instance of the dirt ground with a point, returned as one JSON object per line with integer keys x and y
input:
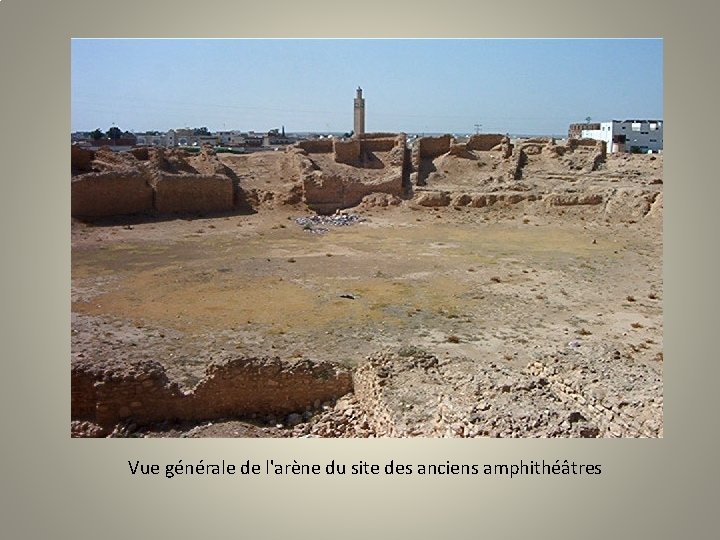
{"x": 499, "y": 286}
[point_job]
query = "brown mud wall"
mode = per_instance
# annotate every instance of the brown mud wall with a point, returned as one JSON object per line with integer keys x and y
{"x": 379, "y": 144}
{"x": 81, "y": 159}
{"x": 143, "y": 394}
{"x": 193, "y": 193}
{"x": 432, "y": 147}
{"x": 110, "y": 193}
{"x": 316, "y": 146}
{"x": 484, "y": 141}
{"x": 347, "y": 152}
{"x": 325, "y": 193}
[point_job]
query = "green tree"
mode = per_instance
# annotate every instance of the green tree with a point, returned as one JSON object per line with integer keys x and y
{"x": 114, "y": 133}
{"x": 97, "y": 135}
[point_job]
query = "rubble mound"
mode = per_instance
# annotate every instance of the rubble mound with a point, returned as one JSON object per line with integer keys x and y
{"x": 410, "y": 393}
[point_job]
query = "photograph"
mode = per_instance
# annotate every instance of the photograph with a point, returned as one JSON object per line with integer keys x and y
{"x": 366, "y": 238}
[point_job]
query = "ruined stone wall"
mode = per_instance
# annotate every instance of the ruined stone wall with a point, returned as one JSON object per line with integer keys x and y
{"x": 429, "y": 148}
{"x": 484, "y": 141}
{"x": 110, "y": 193}
{"x": 145, "y": 180}
{"x": 573, "y": 199}
{"x": 80, "y": 159}
{"x": 142, "y": 392}
{"x": 142, "y": 153}
{"x": 533, "y": 148}
{"x": 379, "y": 144}
{"x": 347, "y": 151}
{"x": 380, "y": 135}
{"x": 265, "y": 386}
{"x": 572, "y": 144}
{"x": 193, "y": 193}
{"x": 515, "y": 164}
{"x": 83, "y": 397}
{"x": 460, "y": 150}
{"x": 474, "y": 200}
{"x": 432, "y": 147}
{"x": 324, "y": 193}
{"x": 316, "y": 146}
{"x": 599, "y": 155}
{"x": 399, "y": 153}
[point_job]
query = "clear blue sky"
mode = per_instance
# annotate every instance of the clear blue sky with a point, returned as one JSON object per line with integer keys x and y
{"x": 516, "y": 86}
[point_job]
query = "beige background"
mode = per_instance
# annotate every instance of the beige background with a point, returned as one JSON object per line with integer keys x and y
{"x": 55, "y": 487}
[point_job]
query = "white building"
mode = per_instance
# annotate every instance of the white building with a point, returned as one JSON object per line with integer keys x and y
{"x": 231, "y": 138}
{"x": 642, "y": 136}
{"x": 155, "y": 138}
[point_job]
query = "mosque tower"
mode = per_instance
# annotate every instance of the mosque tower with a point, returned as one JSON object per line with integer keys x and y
{"x": 359, "y": 124}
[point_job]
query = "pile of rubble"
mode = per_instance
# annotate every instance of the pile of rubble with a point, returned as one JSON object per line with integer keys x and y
{"x": 318, "y": 224}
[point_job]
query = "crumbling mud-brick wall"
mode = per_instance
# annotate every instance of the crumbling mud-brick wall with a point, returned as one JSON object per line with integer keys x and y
{"x": 432, "y": 147}
{"x": 428, "y": 148}
{"x": 111, "y": 193}
{"x": 347, "y": 151}
{"x": 484, "y": 142}
{"x": 574, "y": 199}
{"x": 377, "y": 135}
{"x": 515, "y": 164}
{"x": 110, "y": 393}
{"x": 264, "y": 386}
{"x": 316, "y": 146}
{"x": 400, "y": 153}
{"x": 379, "y": 144}
{"x": 573, "y": 144}
{"x": 193, "y": 193}
{"x": 460, "y": 150}
{"x": 146, "y": 180}
{"x": 141, "y": 392}
{"x": 325, "y": 193}
{"x": 81, "y": 159}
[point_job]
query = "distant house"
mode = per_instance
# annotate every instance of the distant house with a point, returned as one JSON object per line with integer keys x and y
{"x": 636, "y": 136}
{"x": 575, "y": 130}
{"x": 151, "y": 138}
{"x": 231, "y": 138}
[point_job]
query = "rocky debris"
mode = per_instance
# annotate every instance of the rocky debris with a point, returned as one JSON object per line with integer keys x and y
{"x": 318, "y": 223}
{"x": 571, "y": 394}
{"x": 656, "y": 208}
{"x": 379, "y": 200}
{"x": 409, "y": 392}
{"x": 345, "y": 419}
{"x": 627, "y": 204}
{"x": 460, "y": 151}
{"x": 432, "y": 198}
{"x": 572, "y": 199}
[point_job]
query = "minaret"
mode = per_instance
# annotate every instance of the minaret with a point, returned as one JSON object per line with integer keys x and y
{"x": 359, "y": 125}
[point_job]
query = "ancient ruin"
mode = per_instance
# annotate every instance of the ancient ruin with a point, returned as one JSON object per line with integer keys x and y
{"x": 487, "y": 287}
